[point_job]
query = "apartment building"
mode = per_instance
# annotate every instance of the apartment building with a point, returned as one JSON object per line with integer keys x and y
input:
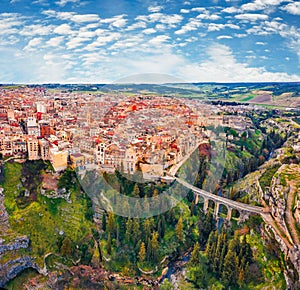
{"x": 33, "y": 148}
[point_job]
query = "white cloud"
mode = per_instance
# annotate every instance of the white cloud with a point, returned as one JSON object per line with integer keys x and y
{"x": 76, "y": 42}
{"x": 193, "y": 24}
{"x": 292, "y": 8}
{"x": 72, "y": 16}
{"x": 117, "y": 21}
{"x": 222, "y": 66}
{"x": 10, "y": 23}
{"x": 36, "y": 29}
{"x": 149, "y": 31}
{"x": 81, "y": 18}
{"x": 155, "y": 8}
{"x": 219, "y": 26}
{"x": 231, "y": 10}
{"x": 55, "y": 41}
{"x": 260, "y": 43}
{"x": 215, "y": 27}
{"x": 270, "y": 27}
{"x": 63, "y": 29}
{"x": 224, "y": 37}
{"x": 160, "y": 27}
{"x": 198, "y": 9}
{"x": 136, "y": 25}
{"x": 208, "y": 16}
{"x": 261, "y": 5}
{"x": 102, "y": 41}
{"x": 256, "y": 5}
{"x": 33, "y": 44}
{"x": 251, "y": 17}
{"x": 158, "y": 40}
{"x": 232, "y": 26}
{"x": 171, "y": 20}
{"x": 184, "y": 11}
{"x": 130, "y": 42}
{"x": 64, "y": 2}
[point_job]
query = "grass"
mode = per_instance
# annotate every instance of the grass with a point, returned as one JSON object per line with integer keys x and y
{"x": 271, "y": 269}
{"x": 248, "y": 98}
{"x": 43, "y": 219}
{"x": 266, "y": 178}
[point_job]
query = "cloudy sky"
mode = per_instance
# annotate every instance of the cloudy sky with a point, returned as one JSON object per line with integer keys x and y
{"x": 100, "y": 41}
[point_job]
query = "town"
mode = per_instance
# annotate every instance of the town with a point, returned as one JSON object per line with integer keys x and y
{"x": 75, "y": 129}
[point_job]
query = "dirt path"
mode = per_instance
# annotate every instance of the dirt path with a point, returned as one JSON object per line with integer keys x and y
{"x": 290, "y": 220}
{"x": 269, "y": 220}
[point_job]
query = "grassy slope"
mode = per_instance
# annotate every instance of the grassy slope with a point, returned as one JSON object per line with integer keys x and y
{"x": 43, "y": 219}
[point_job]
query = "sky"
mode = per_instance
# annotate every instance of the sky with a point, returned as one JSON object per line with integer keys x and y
{"x": 102, "y": 41}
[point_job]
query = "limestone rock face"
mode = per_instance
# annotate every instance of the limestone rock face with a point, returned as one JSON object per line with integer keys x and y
{"x": 12, "y": 268}
{"x": 19, "y": 243}
{"x": 297, "y": 212}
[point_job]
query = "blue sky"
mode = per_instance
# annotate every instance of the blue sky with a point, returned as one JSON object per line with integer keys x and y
{"x": 100, "y": 41}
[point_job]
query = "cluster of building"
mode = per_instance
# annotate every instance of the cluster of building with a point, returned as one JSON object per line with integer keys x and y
{"x": 110, "y": 131}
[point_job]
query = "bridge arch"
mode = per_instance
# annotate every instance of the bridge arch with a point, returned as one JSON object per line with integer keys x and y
{"x": 235, "y": 213}
{"x": 223, "y": 211}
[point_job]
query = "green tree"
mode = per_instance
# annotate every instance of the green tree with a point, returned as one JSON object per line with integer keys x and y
{"x": 154, "y": 246}
{"x": 149, "y": 249}
{"x": 221, "y": 241}
{"x": 245, "y": 251}
{"x": 129, "y": 230}
{"x": 166, "y": 285}
{"x": 179, "y": 230}
{"x": 211, "y": 246}
{"x": 137, "y": 210}
{"x": 195, "y": 255}
{"x": 230, "y": 268}
{"x": 111, "y": 223}
{"x": 142, "y": 253}
{"x": 136, "y": 233}
{"x": 161, "y": 227}
{"x": 136, "y": 191}
{"x": 108, "y": 245}
{"x": 66, "y": 247}
{"x": 155, "y": 192}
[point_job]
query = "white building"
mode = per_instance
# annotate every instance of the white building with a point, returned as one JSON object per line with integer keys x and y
{"x": 32, "y": 127}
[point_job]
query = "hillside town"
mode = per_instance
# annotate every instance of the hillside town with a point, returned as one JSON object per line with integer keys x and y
{"x": 76, "y": 129}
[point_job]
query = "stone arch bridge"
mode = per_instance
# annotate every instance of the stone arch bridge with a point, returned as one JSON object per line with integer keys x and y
{"x": 244, "y": 209}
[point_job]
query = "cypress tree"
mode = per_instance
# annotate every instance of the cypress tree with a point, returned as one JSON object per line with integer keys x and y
{"x": 136, "y": 233}
{"x": 111, "y": 223}
{"x": 66, "y": 247}
{"x": 129, "y": 230}
{"x": 147, "y": 228}
{"x": 154, "y": 245}
{"x": 108, "y": 246}
{"x": 179, "y": 230}
{"x": 142, "y": 253}
{"x": 195, "y": 255}
{"x": 136, "y": 191}
{"x": 230, "y": 269}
